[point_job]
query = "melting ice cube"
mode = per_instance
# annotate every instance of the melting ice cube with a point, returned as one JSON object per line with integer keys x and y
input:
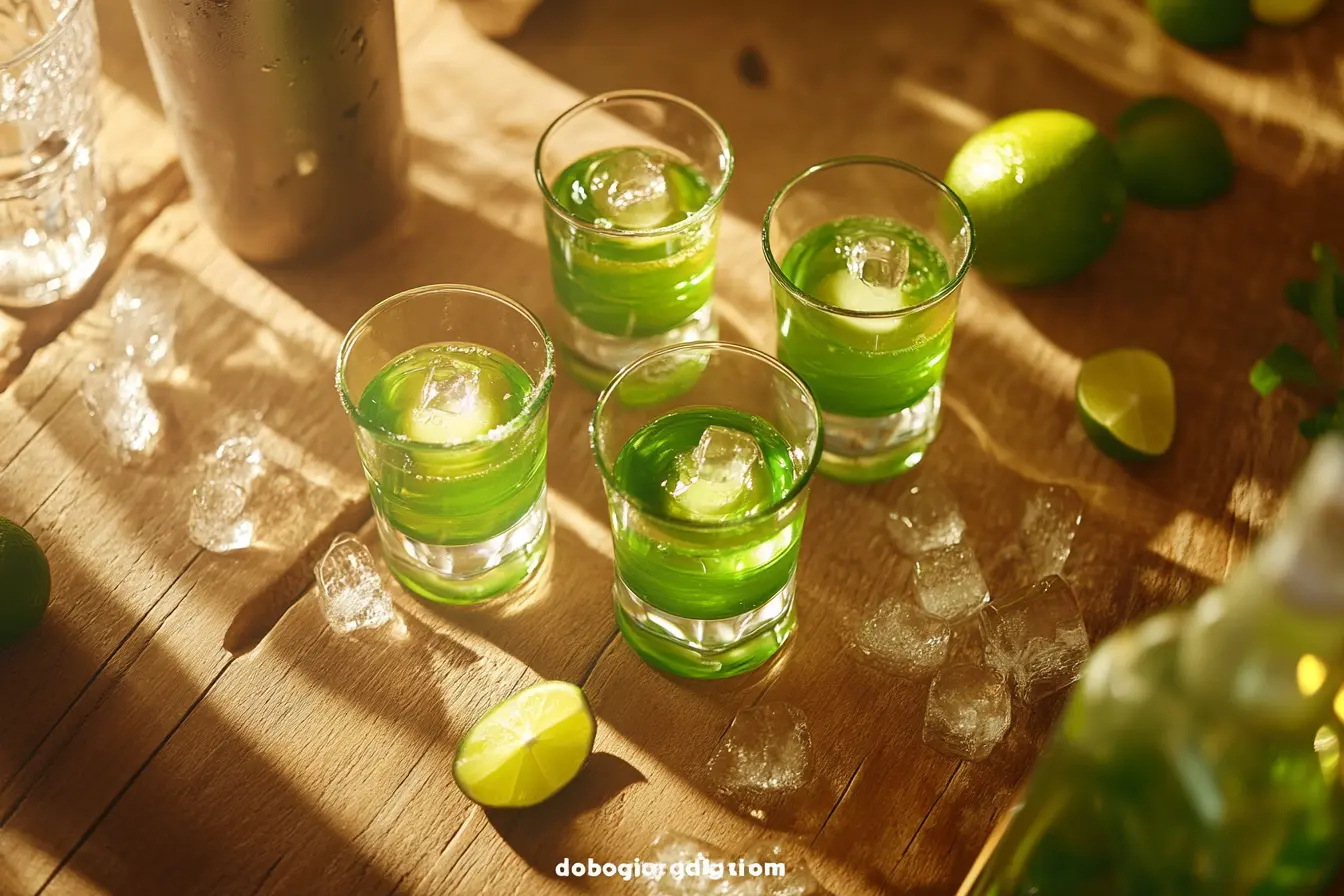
{"x": 144, "y": 318}
{"x": 926, "y": 516}
{"x": 1036, "y": 639}
{"x": 767, "y": 750}
{"x": 948, "y": 582}
{"x": 720, "y": 476}
{"x": 452, "y": 408}
{"x": 968, "y": 711}
{"x": 878, "y": 262}
{"x": 1049, "y": 525}
{"x": 629, "y": 189}
{"x": 350, "y": 589}
{"x": 902, "y": 639}
{"x": 115, "y": 395}
{"x": 217, "y": 519}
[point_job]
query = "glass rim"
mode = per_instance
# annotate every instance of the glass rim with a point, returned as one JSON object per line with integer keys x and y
{"x": 536, "y": 397}
{"x": 711, "y": 204}
{"x": 775, "y": 506}
{"x": 952, "y": 285}
{"x": 63, "y": 18}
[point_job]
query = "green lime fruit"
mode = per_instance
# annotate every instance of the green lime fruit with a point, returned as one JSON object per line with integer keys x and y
{"x": 25, "y": 582}
{"x": 1203, "y": 24}
{"x": 528, "y": 747}
{"x": 1286, "y": 12}
{"x": 1045, "y": 192}
{"x": 1127, "y": 402}
{"x": 1173, "y": 153}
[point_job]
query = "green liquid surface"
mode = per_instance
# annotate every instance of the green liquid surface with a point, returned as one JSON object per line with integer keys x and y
{"x": 677, "y": 559}
{"x": 463, "y": 481}
{"x": 865, "y": 367}
{"x": 626, "y": 284}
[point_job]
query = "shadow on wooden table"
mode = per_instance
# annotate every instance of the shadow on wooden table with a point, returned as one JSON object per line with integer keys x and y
{"x": 543, "y": 835}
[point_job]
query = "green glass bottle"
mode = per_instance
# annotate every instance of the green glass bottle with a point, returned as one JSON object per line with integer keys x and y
{"x": 1199, "y": 753}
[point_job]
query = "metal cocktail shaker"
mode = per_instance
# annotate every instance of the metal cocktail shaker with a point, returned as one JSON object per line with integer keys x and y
{"x": 288, "y": 117}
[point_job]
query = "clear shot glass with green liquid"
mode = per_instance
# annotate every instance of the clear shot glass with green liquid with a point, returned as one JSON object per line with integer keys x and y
{"x": 867, "y": 256}
{"x": 448, "y": 389}
{"x": 706, "y": 450}
{"x": 633, "y": 184}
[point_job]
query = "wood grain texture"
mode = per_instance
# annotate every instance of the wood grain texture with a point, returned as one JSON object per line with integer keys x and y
{"x": 322, "y": 764}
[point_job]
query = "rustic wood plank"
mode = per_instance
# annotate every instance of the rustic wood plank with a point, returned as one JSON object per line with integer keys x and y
{"x": 323, "y": 763}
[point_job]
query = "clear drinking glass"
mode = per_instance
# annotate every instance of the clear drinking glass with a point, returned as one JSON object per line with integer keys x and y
{"x": 634, "y": 182}
{"x": 867, "y": 256}
{"x": 52, "y": 231}
{"x": 448, "y": 388}
{"x": 706, "y": 450}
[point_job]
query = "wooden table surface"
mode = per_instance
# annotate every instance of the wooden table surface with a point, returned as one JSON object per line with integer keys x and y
{"x": 185, "y": 723}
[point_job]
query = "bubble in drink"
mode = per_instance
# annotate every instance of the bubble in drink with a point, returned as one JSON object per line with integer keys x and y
{"x": 144, "y": 318}
{"x": 349, "y": 588}
{"x": 948, "y": 582}
{"x": 115, "y": 395}
{"x": 968, "y": 711}
{"x": 724, "y": 475}
{"x": 767, "y": 750}
{"x": 903, "y": 640}
{"x": 926, "y": 516}
{"x": 629, "y": 189}
{"x": 1037, "y": 639}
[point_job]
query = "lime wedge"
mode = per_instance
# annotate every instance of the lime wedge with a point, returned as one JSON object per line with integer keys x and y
{"x": 1285, "y": 12}
{"x": 526, "y": 748}
{"x": 1127, "y": 402}
{"x": 846, "y": 292}
{"x": 27, "y": 582}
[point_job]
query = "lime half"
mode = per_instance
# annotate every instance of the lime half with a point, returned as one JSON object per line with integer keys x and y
{"x": 528, "y": 747}
{"x": 1285, "y": 12}
{"x": 1127, "y": 403}
{"x": 25, "y": 582}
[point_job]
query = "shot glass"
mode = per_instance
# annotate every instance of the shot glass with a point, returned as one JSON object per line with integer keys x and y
{"x": 867, "y": 256}
{"x": 706, "y": 450}
{"x": 52, "y": 229}
{"x": 448, "y": 389}
{"x": 633, "y": 184}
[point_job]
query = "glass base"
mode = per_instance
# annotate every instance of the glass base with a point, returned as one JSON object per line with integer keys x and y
{"x": 866, "y": 449}
{"x": 595, "y": 358}
{"x": 705, "y": 648}
{"x": 469, "y": 573}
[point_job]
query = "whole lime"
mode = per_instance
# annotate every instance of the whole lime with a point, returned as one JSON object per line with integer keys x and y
{"x": 1045, "y": 193}
{"x": 1173, "y": 153}
{"x": 1203, "y": 24}
{"x": 25, "y": 582}
{"x": 1285, "y": 12}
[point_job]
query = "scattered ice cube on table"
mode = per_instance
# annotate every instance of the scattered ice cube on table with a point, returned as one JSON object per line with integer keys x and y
{"x": 903, "y": 640}
{"x": 968, "y": 711}
{"x": 713, "y": 480}
{"x": 1049, "y": 525}
{"x": 218, "y": 519}
{"x": 115, "y": 395}
{"x": 350, "y": 589}
{"x": 948, "y": 582}
{"x": 766, "y": 750}
{"x": 144, "y": 318}
{"x": 629, "y": 189}
{"x": 926, "y": 516}
{"x": 676, "y": 852}
{"x": 1036, "y": 638}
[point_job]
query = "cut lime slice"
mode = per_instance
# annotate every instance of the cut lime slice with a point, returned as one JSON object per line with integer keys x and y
{"x": 439, "y": 427}
{"x": 527, "y": 748}
{"x": 1285, "y": 12}
{"x": 846, "y": 292}
{"x": 1127, "y": 402}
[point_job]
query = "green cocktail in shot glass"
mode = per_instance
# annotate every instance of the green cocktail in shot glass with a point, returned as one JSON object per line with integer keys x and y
{"x": 448, "y": 389}
{"x": 706, "y": 450}
{"x": 633, "y": 184}
{"x": 867, "y": 256}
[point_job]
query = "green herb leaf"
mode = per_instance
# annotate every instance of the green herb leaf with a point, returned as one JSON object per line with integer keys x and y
{"x": 1284, "y": 364}
{"x": 1323, "y": 295}
{"x": 1298, "y": 294}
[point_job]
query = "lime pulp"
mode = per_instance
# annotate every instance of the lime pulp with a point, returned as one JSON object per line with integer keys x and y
{"x": 1127, "y": 403}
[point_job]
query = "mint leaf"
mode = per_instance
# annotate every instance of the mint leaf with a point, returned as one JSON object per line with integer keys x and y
{"x": 1298, "y": 295}
{"x": 1323, "y": 295}
{"x": 1284, "y": 364}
